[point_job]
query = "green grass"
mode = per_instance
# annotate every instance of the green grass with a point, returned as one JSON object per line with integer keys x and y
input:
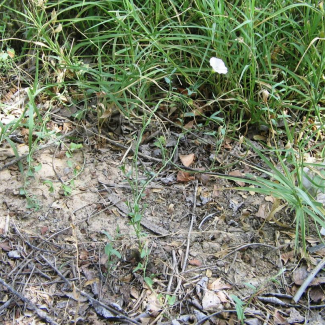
{"x": 128, "y": 49}
{"x": 138, "y": 54}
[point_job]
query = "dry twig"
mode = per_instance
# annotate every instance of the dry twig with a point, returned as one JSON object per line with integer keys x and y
{"x": 31, "y": 306}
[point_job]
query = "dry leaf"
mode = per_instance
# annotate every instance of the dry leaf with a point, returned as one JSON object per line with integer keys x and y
{"x": 316, "y": 294}
{"x": 203, "y": 178}
{"x": 5, "y": 246}
{"x": 218, "y": 285}
{"x": 261, "y": 211}
{"x": 222, "y": 296}
{"x": 184, "y": 177}
{"x": 285, "y": 257}
{"x": 187, "y": 160}
{"x": 237, "y": 173}
{"x": 259, "y": 137}
{"x": 195, "y": 262}
{"x": 295, "y": 317}
{"x": 44, "y": 230}
{"x": 279, "y": 319}
{"x": 91, "y": 282}
{"x": 134, "y": 293}
{"x": 269, "y": 199}
{"x": 189, "y": 125}
{"x": 211, "y": 301}
{"x": 154, "y": 304}
{"x": 208, "y": 273}
{"x": 299, "y": 275}
{"x": 171, "y": 208}
{"x": 216, "y": 191}
{"x": 58, "y": 29}
{"x": 227, "y": 143}
{"x": 83, "y": 255}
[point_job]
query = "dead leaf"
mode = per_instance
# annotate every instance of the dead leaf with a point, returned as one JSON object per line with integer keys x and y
{"x": 218, "y": 285}
{"x": 154, "y": 304}
{"x": 269, "y": 199}
{"x": 189, "y": 125}
{"x": 203, "y": 178}
{"x": 5, "y": 246}
{"x": 279, "y": 319}
{"x": 134, "y": 293}
{"x": 216, "y": 191}
{"x": 195, "y": 262}
{"x": 259, "y": 137}
{"x": 316, "y": 294}
{"x": 44, "y": 230}
{"x": 299, "y": 275}
{"x": 227, "y": 143}
{"x": 58, "y": 29}
{"x": 295, "y": 317}
{"x": 237, "y": 173}
{"x": 208, "y": 273}
{"x": 184, "y": 177}
{"x": 211, "y": 301}
{"x": 222, "y": 296}
{"x": 261, "y": 211}
{"x": 187, "y": 160}
{"x": 285, "y": 257}
{"x": 91, "y": 282}
{"x": 76, "y": 296}
{"x": 83, "y": 255}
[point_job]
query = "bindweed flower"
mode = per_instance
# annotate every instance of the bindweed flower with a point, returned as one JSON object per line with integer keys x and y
{"x": 218, "y": 65}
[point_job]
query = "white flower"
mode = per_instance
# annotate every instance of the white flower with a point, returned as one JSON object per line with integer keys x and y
{"x": 218, "y": 65}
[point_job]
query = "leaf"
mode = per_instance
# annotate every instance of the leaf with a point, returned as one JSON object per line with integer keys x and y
{"x": 187, "y": 160}
{"x": 184, "y": 177}
{"x": 211, "y": 301}
{"x": 148, "y": 281}
{"x": 107, "y": 234}
{"x": 189, "y": 125}
{"x": 218, "y": 285}
{"x": 11, "y": 52}
{"x": 195, "y": 262}
{"x": 58, "y": 29}
{"x": 237, "y": 173}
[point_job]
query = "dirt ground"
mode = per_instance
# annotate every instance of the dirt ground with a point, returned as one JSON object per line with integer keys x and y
{"x": 210, "y": 248}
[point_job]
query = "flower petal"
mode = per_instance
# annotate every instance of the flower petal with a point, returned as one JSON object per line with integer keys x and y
{"x": 218, "y": 65}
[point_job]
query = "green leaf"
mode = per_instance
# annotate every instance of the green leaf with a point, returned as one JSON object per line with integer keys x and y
{"x": 38, "y": 167}
{"x": 116, "y": 253}
{"x": 50, "y": 183}
{"x": 75, "y": 146}
{"x": 148, "y": 281}
{"x": 107, "y": 234}
{"x": 171, "y": 300}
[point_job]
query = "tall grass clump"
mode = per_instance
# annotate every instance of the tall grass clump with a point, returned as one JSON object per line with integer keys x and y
{"x": 135, "y": 51}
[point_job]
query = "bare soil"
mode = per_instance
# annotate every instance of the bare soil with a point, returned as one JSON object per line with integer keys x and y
{"x": 206, "y": 241}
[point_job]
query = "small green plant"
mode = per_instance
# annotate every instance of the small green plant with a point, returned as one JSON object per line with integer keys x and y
{"x": 241, "y": 305}
{"x": 171, "y": 299}
{"x": 240, "y": 308}
{"x": 50, "y": 184}
{"x": 286, "y": 183}
{"x": 161, "y": 144}
{"x": 110, "y": 251}
{"x": 68, "y": 186}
